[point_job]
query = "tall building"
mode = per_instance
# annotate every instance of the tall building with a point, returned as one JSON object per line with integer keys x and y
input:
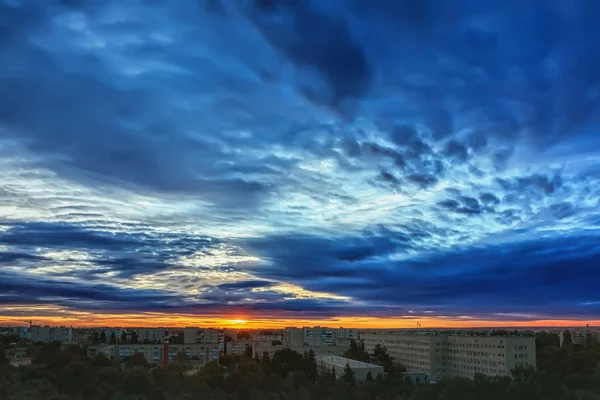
{"x": 447, "y": 356}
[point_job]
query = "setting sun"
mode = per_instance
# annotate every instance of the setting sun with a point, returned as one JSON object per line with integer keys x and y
{"x": 237, "y": 321}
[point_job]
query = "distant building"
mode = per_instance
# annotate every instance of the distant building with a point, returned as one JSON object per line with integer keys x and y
{"x": 47, "y": 334}
{"x": 293, "y": 337}
{"x": 20, "y": 361}
{"x": 241, "y": 347}
{"x": 149, "y": 335}
{"x": 415, "y": 377}
{"x": 445, "y": 356}
{"x": 23, "y": 332}
{"x": 578, "y": 338}
{"x": 318, "y": 336}
{"x": 361, "y": 369}
{"x": 202, "y": 335}
{"x": 153, "y": 353}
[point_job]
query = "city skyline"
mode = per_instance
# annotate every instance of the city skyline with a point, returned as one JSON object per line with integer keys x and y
{"x": 270, "y": 163}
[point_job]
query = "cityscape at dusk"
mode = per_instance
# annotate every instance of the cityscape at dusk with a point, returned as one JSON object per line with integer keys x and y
{"x": 288, "y": 163}
{"x": 299, "y": 200}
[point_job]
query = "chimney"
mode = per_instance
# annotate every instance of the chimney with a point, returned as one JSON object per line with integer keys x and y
{"x": 166, "y": 350}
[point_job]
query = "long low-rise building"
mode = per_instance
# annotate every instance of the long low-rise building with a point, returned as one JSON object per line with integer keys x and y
{"x": 447, "y": 356}
{"x": 338, "y": 364}
{"x": 154, "y": 353}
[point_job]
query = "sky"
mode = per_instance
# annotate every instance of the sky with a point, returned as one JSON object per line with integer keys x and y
{"x": 289, "y": 162}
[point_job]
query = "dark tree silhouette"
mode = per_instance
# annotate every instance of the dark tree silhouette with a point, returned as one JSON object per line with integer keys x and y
{"x": 348, "y": 374}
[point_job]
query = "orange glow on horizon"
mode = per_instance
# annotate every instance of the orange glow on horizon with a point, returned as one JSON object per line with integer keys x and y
{"x": 53, "y": 315}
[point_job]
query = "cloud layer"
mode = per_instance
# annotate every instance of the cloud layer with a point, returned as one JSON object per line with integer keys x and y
{"x": 309, "y": 158}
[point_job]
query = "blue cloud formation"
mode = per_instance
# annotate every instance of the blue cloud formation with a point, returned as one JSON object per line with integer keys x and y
{"x": 310, "y": 158}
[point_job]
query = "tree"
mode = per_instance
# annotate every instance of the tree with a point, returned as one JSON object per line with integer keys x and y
{"x": 348, "y": 374}
{"x": 357, "y": 351}
{"x": 567, "y": 338}
{"x": 285, "y": 361}
{"x": 95, "y": 338}
{"x": 333, "y": 373}
{"x": 381, "y": 357}
{"x": 113, "y": 338}
{"x": 181, "y": 359}
{"x": 3, "y": 359}
{"x": 244, "y": 335}
{"x": 369, "y": 377}
{"x": 134, "y": 337}
{"x": 103, "y": 336}
{"x": 248, "y": 351}
{"x": 137, "y": 360}
{"x": 265, "y": 357}
{"x": 124, "y": 337}
{"x": 311, "y": 366}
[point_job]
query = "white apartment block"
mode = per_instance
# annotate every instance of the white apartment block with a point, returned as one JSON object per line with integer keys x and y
{"x": 318, "y": 336}
{"x": 202, "y": 335}
{"x": 153, "y": 353}
{"x": 47, "y": 334}
{"x": 445, "y": 356}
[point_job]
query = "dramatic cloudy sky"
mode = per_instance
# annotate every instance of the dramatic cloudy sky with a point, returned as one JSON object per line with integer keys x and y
{"x": 296, "y": 159}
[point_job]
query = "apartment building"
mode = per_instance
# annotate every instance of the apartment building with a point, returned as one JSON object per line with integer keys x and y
{"x": 47, "y": 334}
{"x": 153, "y": 353}
{"x": 148, "y": 335}
{"x": 241, "y": 347}
{"x": 318, "y": 336}
{"x": 202, "y": 335}
{"x": 293, "y": 336}
{"x": 448, "y": 356}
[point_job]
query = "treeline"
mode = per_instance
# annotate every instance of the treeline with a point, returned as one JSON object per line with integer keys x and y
{"x": 568, "y": 373}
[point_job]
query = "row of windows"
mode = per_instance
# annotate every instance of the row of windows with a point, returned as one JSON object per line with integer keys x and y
{"x": 519, "y": 348}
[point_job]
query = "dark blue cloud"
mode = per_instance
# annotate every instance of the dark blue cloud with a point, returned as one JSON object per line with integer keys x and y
{"x": 301, "y": 157}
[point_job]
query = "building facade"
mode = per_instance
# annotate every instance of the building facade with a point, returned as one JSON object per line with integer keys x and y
{"x": 192, "y": 335}
{"x": 293, "y": 337}
{"x": 47, "y": 334}
{"x": 154, "y": 353}
{"x": 446, "y": 356}
{"x": 318, "y": 336}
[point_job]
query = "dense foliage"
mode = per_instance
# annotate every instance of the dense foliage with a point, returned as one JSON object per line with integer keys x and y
{"x": 570, "y": 372}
